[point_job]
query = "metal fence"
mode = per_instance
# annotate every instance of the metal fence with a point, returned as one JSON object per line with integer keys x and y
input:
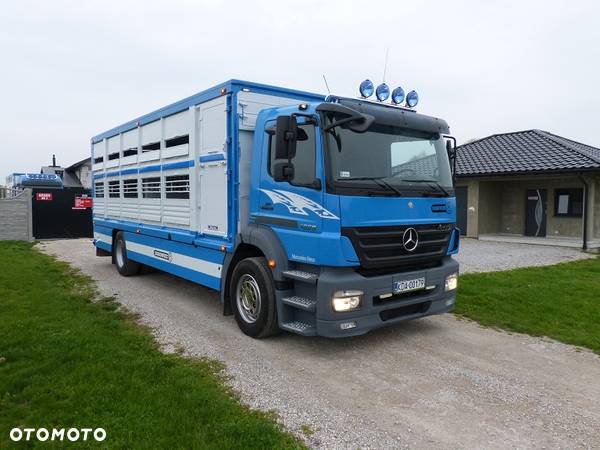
{"x": 6, "y": 192}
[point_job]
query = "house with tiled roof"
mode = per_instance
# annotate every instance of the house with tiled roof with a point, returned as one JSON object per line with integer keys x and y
{"x": 530, "y": 186}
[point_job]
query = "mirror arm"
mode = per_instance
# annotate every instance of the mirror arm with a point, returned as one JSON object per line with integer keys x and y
{"x": 452, "y": 138}
{"x": 309, "y": 118}
{"x": 337, "y": 123}
{"x": 454, "y": 156}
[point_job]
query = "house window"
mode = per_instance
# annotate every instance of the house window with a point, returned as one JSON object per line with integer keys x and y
{"x": 568, "y": 202}
{"x": 113, "y": 156}
{"x": 177, "y": 186}
{"x": 130, "y": 188}
{"x": 151, "y": 187}
{"x": 114, "y": 189}
{"x": 98, "y": 159}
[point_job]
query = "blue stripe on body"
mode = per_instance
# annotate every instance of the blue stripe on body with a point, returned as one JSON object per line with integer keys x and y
{"x": 149, "y": 169}
{"x": 206, "y": 254}
{"x": 196, "y": 277}
{"x": 167, "y": 233}
{"x": 103, "y": 245}
{"x": 103, "y": 230}
{"x": 178, "y": 165}
{"x": 212, "y": 157}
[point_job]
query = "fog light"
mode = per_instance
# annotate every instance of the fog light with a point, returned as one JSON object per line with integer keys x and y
{"x": 451, "y": 282}
{"x": 346, "y": 300}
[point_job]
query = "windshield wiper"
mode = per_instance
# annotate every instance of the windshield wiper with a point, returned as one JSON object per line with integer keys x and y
{"x": 431, "y": 183}
{"x": 377, "y": 180}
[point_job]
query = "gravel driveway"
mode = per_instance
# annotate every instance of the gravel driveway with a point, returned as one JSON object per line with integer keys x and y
{"x": 435, "y": 383}
{"x": 486, "y": 256}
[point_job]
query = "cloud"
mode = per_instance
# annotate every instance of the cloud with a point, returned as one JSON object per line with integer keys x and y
{"x": 74, "y": 69}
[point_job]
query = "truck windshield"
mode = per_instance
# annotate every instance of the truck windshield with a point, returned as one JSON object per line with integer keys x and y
{"x": 387, "y": 160}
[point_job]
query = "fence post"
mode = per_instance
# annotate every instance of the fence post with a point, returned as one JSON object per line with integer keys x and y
{"x": 29, "y": 195}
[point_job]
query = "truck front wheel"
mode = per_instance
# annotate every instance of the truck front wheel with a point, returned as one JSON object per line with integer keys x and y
{"x": 253, "y": 298}
{"x": 125, "y": 266}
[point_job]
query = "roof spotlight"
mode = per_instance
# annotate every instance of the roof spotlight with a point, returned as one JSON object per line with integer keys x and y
{"x": 366, "y": 88}
{"x": 382, "y": 92}
{"x": 412, "y": 98}
{"x": 398, "y": 95}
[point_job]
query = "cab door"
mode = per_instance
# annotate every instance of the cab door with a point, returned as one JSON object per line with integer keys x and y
{"x": 294, "y": 209}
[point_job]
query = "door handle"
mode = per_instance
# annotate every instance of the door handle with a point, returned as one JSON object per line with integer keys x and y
{"x": 267, "y": 206}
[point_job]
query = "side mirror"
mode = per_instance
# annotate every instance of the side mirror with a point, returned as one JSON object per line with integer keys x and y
{"x": 286, "y": 135}
{"x": 283, "y": 171}
{"x": 451, "y": 150}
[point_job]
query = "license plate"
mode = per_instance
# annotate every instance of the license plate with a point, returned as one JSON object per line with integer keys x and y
{"x": 408, "y": 285}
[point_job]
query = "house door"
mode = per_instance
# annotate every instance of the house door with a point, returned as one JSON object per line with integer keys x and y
{"x": 535, "y": 214}
{"x": 462, "y": 207}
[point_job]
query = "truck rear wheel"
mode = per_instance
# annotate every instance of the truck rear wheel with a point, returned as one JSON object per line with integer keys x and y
{"x": 125, "y": 266}
{"x": 253, "y": 298}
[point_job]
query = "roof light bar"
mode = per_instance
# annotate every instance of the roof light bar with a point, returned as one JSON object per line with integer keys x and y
{"x": 366, "y": 88}
{"x": 412, "y": 98}
{"x": 382, "y": 92}
{"x": 398, "y": 95}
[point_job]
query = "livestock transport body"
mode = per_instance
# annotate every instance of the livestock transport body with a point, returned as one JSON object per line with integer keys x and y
{"x": 317, "y": 215}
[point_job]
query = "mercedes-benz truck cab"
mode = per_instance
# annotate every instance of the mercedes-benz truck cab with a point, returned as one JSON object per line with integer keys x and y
{"x": 360, "y": 195}
{"x": 325, "y": 216}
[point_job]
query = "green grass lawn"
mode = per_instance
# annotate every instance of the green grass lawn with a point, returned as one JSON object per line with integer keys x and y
{"x": 561, "y": 301}
{"x": 67, "y": 362}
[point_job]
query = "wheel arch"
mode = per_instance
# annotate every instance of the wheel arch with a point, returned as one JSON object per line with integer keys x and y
{"x": 255, "y": 241}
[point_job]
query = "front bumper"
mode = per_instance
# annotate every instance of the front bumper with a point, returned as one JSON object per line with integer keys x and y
{"x": 375, "y": 312}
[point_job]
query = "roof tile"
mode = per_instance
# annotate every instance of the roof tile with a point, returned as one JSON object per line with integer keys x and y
{"x": 525, "y": 152}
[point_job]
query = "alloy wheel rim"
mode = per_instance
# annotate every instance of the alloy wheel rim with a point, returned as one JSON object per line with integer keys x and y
{"x": 248, "y": 298}
{"x": 120, "y": 256}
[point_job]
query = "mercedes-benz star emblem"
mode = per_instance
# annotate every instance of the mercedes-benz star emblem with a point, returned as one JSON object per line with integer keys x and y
{"x": 410, "y": 239}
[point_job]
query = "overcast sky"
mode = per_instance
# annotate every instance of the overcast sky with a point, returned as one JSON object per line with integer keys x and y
{"x": 72, "y": 69}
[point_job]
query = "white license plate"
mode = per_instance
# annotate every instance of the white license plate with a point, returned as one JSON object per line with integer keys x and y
{"x": 408, "y": 285}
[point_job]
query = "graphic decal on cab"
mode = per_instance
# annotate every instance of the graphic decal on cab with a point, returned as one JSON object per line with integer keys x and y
{"x": 298, "y": 204}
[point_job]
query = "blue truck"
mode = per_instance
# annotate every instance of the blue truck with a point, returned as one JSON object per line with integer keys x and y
{"x": 318, "y": 215}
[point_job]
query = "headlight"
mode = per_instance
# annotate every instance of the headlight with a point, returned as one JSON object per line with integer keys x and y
{"x": 451, "y": 282}
{"x": 346, "y": 300}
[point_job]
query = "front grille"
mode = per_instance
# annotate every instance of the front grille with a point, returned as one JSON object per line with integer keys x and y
{"x": 382, "y": 247}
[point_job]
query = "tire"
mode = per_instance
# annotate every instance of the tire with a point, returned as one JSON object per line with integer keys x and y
{"x": 125, "y": 266}
{"x": 253, "y": 298}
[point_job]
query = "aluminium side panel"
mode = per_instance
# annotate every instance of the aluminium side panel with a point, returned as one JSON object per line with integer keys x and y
{"x": 212, "y": 183}
{"x": 251, "y": 103}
